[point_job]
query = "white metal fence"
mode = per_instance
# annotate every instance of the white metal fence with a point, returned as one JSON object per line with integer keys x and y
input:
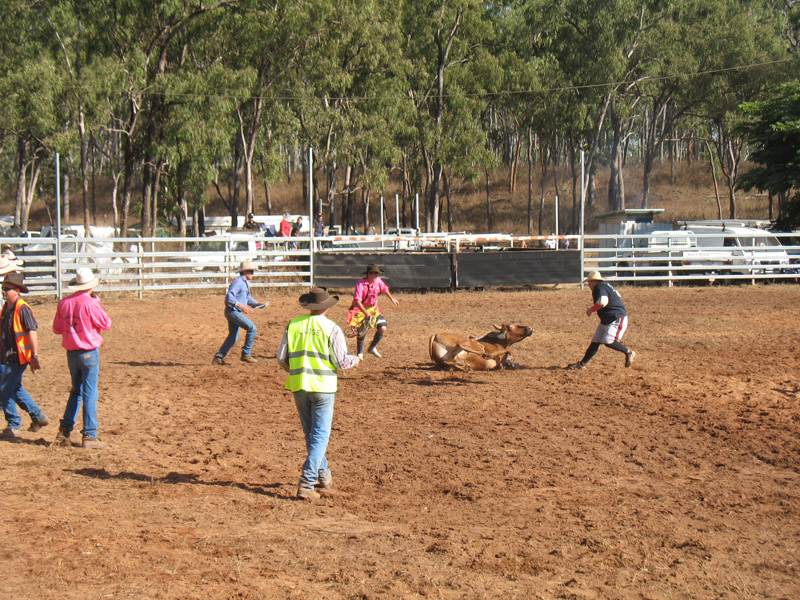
{"x": 159, "y": 263}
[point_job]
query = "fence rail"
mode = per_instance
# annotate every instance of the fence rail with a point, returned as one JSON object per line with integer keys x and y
{"x": 149, "y": 264}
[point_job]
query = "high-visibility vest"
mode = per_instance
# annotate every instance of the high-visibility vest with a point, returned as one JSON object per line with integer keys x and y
{"x": 310, "y": 366}
{"x": 24, "y": 347}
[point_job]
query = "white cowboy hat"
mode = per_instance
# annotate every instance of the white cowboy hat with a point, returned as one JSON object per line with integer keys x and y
{"x": 84, "y": 280}
{"x": 247, "y": 266}
{"x": 594, "y": 276}
{"x": 7, "y": 266}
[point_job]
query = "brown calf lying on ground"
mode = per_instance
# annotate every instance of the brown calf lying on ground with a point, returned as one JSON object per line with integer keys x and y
{"x": 451, "y": 351}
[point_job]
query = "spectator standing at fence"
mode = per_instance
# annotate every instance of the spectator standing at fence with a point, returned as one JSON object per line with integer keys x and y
{"x": 365, "y": 306}
{"x": 19, "y": 347}
{"x": 251, "y": 223}
{"x": 297, "y": 226}
{"x": 79, "y": 319}
{"x": 319, "y": 226}
{"x": 285, "y": 229}
{"x": 238, "y": 305}
{"x": 312, "y": 349}
{"x": 613, "y": 321}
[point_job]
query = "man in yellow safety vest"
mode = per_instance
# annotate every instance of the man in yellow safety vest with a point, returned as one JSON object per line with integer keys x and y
{"x": 312, "y": 349}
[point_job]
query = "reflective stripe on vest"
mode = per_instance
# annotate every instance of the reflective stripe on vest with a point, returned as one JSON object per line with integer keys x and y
{"x": 310, "y": 367}
{"x": 24, "y": 347}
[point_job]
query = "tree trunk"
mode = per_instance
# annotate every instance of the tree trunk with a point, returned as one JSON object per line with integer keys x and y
{"x": 530, "y": 180}
{"x": 489, "y": 201}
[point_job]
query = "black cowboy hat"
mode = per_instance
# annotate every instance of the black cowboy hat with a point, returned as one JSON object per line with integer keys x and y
{"x": 15, "y": 279}
{"x": 372, "y": 268}
{"x": 318, "y": 299}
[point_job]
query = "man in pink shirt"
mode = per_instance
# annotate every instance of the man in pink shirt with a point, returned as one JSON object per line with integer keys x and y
{"x": 365, "y": 306}
{"x": 79, "y": 319}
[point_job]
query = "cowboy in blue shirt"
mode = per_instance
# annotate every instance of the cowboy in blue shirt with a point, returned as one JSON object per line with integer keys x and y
{"x": 238, "y": 304}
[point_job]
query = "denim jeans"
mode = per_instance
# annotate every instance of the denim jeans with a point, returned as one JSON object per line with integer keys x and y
{"x": 316, "y": 415}
{"x": 238, "y": 320}
{"x": 84, "y": 368}
{"x": 13, "y": 393}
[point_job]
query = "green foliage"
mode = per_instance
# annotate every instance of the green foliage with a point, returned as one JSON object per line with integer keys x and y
{"x": 772, "y": 128}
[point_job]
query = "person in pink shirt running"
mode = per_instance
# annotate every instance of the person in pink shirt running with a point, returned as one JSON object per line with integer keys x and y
{"x": 365, "y": 306}
{"x": 79, "y": 319}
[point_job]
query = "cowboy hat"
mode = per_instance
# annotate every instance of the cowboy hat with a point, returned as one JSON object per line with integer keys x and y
{"x": 247, "y": 266}
{"x": 371, "y": 268}
{"x": 318, "y": 299}
{"x": 15, "y": 279}
{"x": 84, "y": 280}
{"x": 7, "y": 266}
{"x": 594, "y": 276}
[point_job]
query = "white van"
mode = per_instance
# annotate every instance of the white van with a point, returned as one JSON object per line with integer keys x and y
{"x": 746, "y": 250}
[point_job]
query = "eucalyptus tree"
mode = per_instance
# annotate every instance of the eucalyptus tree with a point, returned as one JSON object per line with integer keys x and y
{"x": 262, "y": 42}
{"x": 350, "y": 98}
{"x": 597, "y": 46}
{"x": 443, "y": 43}
{"x": 92, "y": 82}
{"x": 772, "y": 129}
{"x": 144, "y": 38}
{"x": 32, "y": 88}
{"x": 743, "y": 52}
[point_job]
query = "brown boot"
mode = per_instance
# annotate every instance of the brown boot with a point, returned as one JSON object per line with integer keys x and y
{"x": 93, "y": 443}
{"x": 249, "y": 359}
{"x": 62, "y": 437}
{"x": 307, "y": 492}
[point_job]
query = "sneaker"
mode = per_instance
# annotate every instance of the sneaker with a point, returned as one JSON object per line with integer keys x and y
{"x": 374, "y": 352}
{"x": 62, "y": 437}
{"x": 577, "y": 365}
{"x": 307, "y": 493}
{"x": 249, "y": 359}
{"x": 37, "y": 425}
{"x": 629, "y": 358}
{"x": 360, "y": 356}
{"x": 218, "y": 361}
{"x": 8, "y": 434}
{"x": 93, "y": 443}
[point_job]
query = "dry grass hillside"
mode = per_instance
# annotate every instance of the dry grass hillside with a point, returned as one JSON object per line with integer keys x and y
{"x": 686, "y": 196}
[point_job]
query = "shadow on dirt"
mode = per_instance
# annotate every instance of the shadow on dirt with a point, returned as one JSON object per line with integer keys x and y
{"x": 175, "y": 478}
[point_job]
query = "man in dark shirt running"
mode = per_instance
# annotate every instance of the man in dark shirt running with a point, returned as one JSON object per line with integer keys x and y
{"x": 613, "y": 321}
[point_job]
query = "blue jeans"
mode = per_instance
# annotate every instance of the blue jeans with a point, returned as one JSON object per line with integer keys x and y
{"x": 316, "y": 415}
{"x": 237, "y": 320}
{"x": 84, "y": 368}
{"x": 13, "y": 393}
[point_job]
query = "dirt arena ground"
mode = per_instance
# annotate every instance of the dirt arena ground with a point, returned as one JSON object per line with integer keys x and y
{"x": 676, "y": 478}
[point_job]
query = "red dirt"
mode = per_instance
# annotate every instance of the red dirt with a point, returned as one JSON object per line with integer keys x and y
{"x": 676, "y": 478}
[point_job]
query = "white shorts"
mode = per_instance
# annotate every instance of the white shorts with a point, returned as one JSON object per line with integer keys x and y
{"x": 613, "y": 332}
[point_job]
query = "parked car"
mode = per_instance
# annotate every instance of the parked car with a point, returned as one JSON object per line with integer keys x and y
{"x": 224, "y": 253}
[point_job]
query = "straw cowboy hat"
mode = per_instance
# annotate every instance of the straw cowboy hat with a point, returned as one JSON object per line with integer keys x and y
{"x": 371, "y": 268}
{"x": 247, "y": 266}
{"x": 7, "y": 266}
{"x": 594, "y": 276}
{"x": 84, "y": 280}
{"x": 318, "y": 299}
{"x": 15, "y": 279}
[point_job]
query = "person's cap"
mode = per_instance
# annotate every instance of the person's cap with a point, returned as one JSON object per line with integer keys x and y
{"x": 84, "y": 280}
{"x": 286, "y": 215}
{"x": 250, "y": 216}
{"x": 371, "y": 268}
{"x": 318, "y": 299}
{"x": 247, "y": 266}
{"x": 594, "y": 276}
{"x": 15, "y": 279}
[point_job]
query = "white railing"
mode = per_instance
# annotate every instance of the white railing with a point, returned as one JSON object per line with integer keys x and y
{"x": 149, "y": 264}
{"x": 657, "y": 257}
